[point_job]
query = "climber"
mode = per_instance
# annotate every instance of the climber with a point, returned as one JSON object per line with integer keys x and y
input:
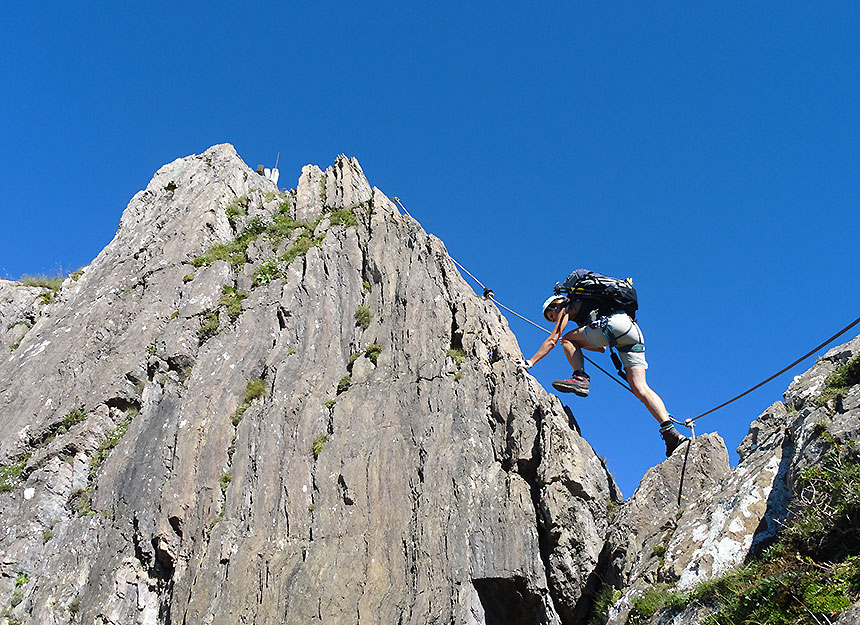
{"x": 602, "y": 320}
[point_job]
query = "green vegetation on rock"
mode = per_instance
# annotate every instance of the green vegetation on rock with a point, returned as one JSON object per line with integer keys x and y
{"x": 809, "y": 575}
{"x": 363, "y": 316}
{"x": 10, "y": 474}
{"x": 840, "y": 381}
{"x": 372, "y": 352}
{"x": 231, "y": 299}
{"x": 318, "y": 445}
{"x": 108, "y": 444}
{"x": 209, "y": 326}
{"x": 457, "y": 355}
{"x": 343, "y": 384}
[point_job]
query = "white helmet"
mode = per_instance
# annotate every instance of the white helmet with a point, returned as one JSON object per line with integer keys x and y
{"x": 549, "y": 302}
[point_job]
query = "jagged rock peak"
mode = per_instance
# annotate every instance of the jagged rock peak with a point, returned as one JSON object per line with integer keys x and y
{"x": 285, "y": 406}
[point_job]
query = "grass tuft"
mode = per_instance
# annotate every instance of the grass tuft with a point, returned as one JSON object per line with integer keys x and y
{"x": 231, "y": 299}
{"x": 343, "y": 384}
{"x": 318, "y": 445}
{"x": 372, "y": 352}
{"x": 363, "y": 316}
{"x": 840, "y": 381}
{"x": 209, "y": 327}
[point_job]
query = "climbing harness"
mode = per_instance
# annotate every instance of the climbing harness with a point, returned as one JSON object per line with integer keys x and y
{"x": 689, "y": 423}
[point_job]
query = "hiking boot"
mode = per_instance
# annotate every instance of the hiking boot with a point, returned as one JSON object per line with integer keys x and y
{"x": 577, "y": 383}
{"x": 672, "y": 437}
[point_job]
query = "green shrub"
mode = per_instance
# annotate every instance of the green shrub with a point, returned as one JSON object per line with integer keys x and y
{"x": 209, "y": 326}
{"x": 225, "y": 480}
{"x": 305, "y": 242}
{"x": 604, "y": 599}
{"x": 363, "y": 316}
{"x": 233, "y": 253}
{"x": 284, "y": 207}
{"x": 840, "y": 381}
{"x": 231, "y": 299}
{"x": 343, "y": 217}
{"x": 10, "y": 474}
{"x": 240, "y": 412}
{"x": 256, "y": 389}
{"x": 372, "y": 352}
{"x": 457, "y": 355}
{"x": 343, "y": 384}
{"x": 47, "y": 535}
{"x": 268, "y": 271}
{"x": 366, "y": 285}
{"x": 75, "y": 416}
{"x": 653, "y": 599}
{"x": 188, "y": 278}
{"x": 237, "y": 208}
{"x": 282, "y": 227}
{"x": 330, "y": 404}
{"x": 22, "y": 579}
{"x": 81, "y": 502}
{"x": 17, "y": 598}
{"x": 318, "y": 445}
{"x": 826, "y": 505}
{"x": 352, "y": 358}
{"x": 75, "y": 606}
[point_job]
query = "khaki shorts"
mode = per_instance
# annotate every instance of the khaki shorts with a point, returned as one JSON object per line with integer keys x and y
{"x": 631, "y": 342}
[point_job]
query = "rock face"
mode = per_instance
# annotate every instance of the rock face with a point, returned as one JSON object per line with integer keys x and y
{"x": 736, "y": 512}
{"x": 347, "y": 443}
{"x": 266, "y": 406}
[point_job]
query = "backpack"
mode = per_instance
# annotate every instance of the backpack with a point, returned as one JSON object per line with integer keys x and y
{"x": 604, "y": 294}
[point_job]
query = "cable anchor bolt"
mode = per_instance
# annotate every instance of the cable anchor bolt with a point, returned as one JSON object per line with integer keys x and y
{"x": 691, "y": 423}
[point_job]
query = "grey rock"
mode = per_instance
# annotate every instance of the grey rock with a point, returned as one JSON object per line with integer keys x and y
{"x": 19, "y": 309}
{"x": 851, "y": 616}
{"x": 309, "y": 194}
{"x": 645, "y": 542}
{"x": 743, "y": 511}
{"x": 425, "y": 491}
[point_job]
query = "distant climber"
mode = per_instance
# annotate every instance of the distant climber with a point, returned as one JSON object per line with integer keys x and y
{"x": 604, "y": 310}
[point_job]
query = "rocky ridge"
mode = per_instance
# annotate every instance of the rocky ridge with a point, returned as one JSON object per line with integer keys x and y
{"x": 272, "y": 406}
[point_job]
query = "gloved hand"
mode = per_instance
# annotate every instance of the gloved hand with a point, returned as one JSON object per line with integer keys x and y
{"x": 522, "y": 363}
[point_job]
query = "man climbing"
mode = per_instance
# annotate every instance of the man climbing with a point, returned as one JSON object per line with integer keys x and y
{"x": 603, "y": 309}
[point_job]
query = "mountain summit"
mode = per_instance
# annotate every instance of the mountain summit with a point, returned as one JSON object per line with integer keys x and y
{"x": 266, "y": 406}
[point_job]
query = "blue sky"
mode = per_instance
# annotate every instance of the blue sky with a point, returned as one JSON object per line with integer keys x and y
{"x": 710, "y": 151}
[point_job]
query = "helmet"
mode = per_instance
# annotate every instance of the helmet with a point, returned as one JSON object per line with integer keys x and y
{"x": 549, "y": 302}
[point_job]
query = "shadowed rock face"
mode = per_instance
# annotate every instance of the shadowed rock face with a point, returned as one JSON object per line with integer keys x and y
{"x": 151, "y": 489}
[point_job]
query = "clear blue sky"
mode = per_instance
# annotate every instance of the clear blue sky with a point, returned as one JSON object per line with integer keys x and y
{"x": 710, "y": 151}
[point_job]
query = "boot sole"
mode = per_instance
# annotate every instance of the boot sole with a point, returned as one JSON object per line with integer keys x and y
{"x": 566, "y": 388}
